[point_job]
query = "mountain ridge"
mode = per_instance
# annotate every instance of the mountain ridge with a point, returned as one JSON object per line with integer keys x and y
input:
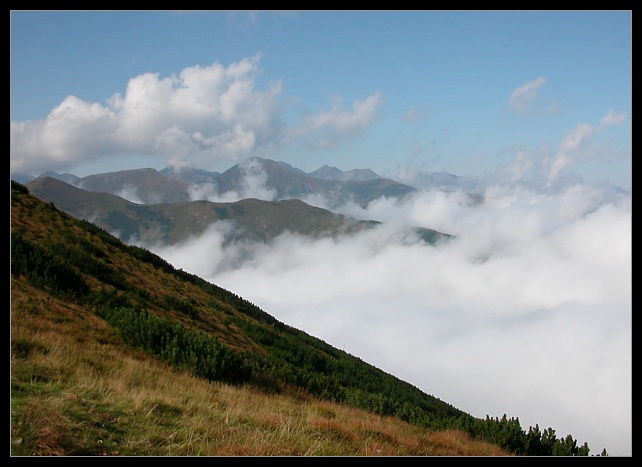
{"x": 172, "y": 223}
{"x": 275, "y": 180}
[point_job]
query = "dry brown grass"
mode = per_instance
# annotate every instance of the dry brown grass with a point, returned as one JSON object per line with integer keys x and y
{"x": 77, "y": 391}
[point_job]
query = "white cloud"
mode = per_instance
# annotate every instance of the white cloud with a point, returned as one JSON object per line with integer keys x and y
{"x": 206, "y": 114}
{"x": 327, "y": 129}
{"x": 341, "y": 120}
{"x": 254, "y": 181}
{"x": 571, "y": 144}
{"x": 253, "y": 184}
{"x": 579, "y": 143}
{"x": 527, "y": 312}
{"x": 553, "y": 166}
{"x": 73, "y": 131}
{"x": 130, "y": 193}
{"x": 523, "y": 95}
{"x": 612, "y": 118}
{"x": 213, "y": 112}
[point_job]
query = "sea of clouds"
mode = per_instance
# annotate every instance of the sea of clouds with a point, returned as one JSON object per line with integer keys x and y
{"x": 527, "y": 311}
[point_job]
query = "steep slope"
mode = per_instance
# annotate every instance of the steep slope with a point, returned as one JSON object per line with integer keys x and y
{"x": 72, "y": 283}
{"x": 104, "y": 278}
{"x": 113, "y": 350}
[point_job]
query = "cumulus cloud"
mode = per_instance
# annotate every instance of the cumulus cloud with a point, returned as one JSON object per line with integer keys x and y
{"x": 523, "y": 95}
{"x": 213, "y": 111}
{"x": 526, "y": 312}
{"x": 71, "y": 131}
{"x": 205, "y": 113}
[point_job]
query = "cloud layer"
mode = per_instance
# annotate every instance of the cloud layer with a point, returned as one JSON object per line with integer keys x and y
{"x": 527, "y": 312}
{"x": 205, "y": 114}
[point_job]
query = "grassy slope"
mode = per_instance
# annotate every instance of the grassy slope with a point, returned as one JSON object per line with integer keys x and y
{"x": 76, "y": 389}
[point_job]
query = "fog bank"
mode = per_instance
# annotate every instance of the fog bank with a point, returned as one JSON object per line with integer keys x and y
{"x": 526, "y": 312}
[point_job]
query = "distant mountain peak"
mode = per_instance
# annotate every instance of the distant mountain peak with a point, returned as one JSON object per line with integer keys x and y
{"x": 326, "y": 172}
{"x": 189, "y": 174}
{"x": 66, "y": 177}
{"x": 332, "y": 173}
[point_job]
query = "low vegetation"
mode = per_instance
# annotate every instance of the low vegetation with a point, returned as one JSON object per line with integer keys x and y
{"x": 76, "y": 390}
{"x": 115, "y": 352}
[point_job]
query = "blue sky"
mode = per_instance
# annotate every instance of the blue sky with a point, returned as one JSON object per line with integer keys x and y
{"x": 464, "y": 92}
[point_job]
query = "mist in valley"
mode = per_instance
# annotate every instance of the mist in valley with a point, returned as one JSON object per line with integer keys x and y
{"x": 526, "y": 311}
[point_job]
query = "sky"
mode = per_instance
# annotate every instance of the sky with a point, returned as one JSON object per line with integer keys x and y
{"x": 526, "y": 313}
{"x": 464, "y": 92}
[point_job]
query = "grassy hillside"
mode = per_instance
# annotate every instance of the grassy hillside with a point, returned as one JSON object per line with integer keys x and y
{"x": 115, "y": 352}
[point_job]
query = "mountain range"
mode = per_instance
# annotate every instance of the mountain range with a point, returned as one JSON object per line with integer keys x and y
{"x": 275, "y": 180}
{"x": 164, "y": 214}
